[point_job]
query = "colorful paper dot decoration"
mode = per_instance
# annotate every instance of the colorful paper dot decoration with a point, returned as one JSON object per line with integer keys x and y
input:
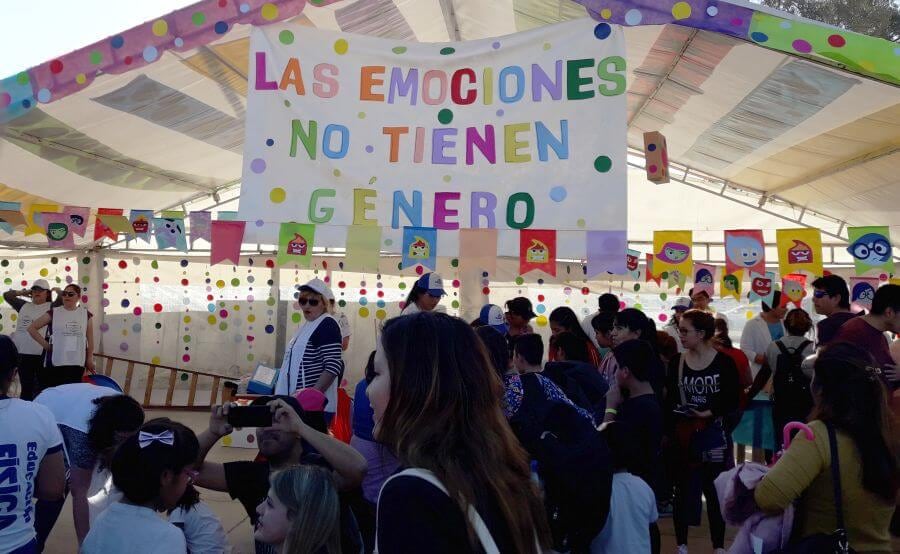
{"x": 837, "y": 41}
{"x": 286, "y": 37}
{"x": 801, "y": 46}
{"x": 269, "y": 329}
{"x": 759, "y": 37}
{"x": 380, "y": 314}
{"x": 558, "y": 193}
{"x": 445, "y": 116}
{"x": 605, "y": 13}
{"x": 447, "y": 51}
{"x": 186, "y": 358}
{"x": 681, "y": 10}
{"x": 211, "y": 320}
{"x": 258, "y": 165}
{"x": 398, "y": 50}
{"x": 602, "y": 164}
{"x": 364, "y": 312}
{"x": 541, "y": 320}
{"x": 220, "y": 27}
{"x": 269, "y": 11}
{"x": 602, "y": 30}
{"x": 341, "y": 46}
{"x": 633, "y": 17}
{"x": 197, "y": 18}
{"x": 277, "y": 195}
{"x": 160, "y": 27}
{"x": 712, "y": 11}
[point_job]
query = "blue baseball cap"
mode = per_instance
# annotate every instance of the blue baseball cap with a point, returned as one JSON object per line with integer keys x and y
{"x": 432, "y": 283}
{"x": 492, "y": 316}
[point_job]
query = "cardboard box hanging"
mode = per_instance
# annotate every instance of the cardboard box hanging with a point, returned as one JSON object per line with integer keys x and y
{"x": 656, "y": 157}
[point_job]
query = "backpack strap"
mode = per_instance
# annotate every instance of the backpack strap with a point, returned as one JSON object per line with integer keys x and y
{"x": 836, "y": 480}
{"x": 782, "y": 348}
{"x": 475, "y": 520}
{"x": 680, "y": 376}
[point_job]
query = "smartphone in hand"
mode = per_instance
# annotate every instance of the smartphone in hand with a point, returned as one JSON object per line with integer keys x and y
{"x": 250, "y": 416}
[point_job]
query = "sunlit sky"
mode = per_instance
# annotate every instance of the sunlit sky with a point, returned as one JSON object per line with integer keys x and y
{"x": 37, "y": 31}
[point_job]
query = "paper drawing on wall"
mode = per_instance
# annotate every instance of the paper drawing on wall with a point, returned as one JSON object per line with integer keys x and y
{"x": 419, "y": 249}
{"x": 673, "y": 253}
{"x": 297, "y": 246}
{"x": 800, "y": 253}
{"x": 537, "y": 252}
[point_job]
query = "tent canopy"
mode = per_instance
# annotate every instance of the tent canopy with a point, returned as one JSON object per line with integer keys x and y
{"x": 770, "y": 110}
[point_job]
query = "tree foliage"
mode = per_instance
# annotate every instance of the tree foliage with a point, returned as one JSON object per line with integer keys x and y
{"x": 876, "y": 18}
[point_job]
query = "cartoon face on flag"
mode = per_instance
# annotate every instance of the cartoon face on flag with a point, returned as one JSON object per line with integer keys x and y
{"x": 762, "y": 287}
{"x": 419, "y": 247}
{"x": 871, "y": 249}
{"x": 799, "y": 251}
{"x": 745, "y": 250}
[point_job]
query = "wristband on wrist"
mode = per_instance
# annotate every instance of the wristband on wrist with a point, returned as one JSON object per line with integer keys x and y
{"x": 612, "y": 411}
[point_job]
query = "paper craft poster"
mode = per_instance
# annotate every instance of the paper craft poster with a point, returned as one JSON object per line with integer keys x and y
{"x": 59, "y": 232}
{"x": 605, "y": 252}
{"x": 862, "y": 292}
{"x": 537, "y": 251}
{"x": 871, "y": 249}
{"x": 478, "y": 249}
{"x": 78, "y": 219}
{"x": 745, "y": 250}
{"x": 650, "y": 271}
{"x": 632, "y": 263}
{"x": 799, "y": 250}
{"x": 793, "y": 289}
{"x": 295, "y": 244}
{"x": 101, "y": 230}
{"x": 419, "y": 247}
{"x": 730, "y": 285}
{"x": 34, "y": 224}
{"x": 705, "y": 279}
{"x": 141, "y": 224}
{"x": 672, "y": 251}
{"x": 762, "y": 287}
{"x": 201, "y": 226}
{"x": 496, "y": 133}
{"x": 225, "y": 241}
{"x": 169, "y": 233}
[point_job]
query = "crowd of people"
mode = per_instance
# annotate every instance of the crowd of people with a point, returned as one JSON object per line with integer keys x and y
{"x": 473, "y": 436}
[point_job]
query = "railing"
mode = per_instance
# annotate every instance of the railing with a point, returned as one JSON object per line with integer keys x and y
{"x": 111, "y": 366}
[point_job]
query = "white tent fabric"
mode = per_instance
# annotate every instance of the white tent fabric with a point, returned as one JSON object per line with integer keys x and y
{"x": 734, "y": 113}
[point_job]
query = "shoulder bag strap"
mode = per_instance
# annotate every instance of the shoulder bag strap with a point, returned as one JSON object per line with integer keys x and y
{"x": 679, "y": 384}
{"x": 481, "y": 529}
{"x": 782, "y": 348}
{"x": 836, "y": 477}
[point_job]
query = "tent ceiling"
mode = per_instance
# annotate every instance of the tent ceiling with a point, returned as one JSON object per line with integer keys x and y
{"x": 171, "y": 131}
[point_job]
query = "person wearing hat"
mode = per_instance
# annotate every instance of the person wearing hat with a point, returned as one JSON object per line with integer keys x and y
{"x": 682, "y": 304}
{"x": 313, "y": 357}
{"x": 492, "y": 316}
{"x": 425, "y": 294}
{"x": 31, "y": 354}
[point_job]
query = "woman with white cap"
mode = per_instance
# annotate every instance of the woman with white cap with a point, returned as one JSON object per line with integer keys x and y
{"x": 425, "y": 294}
{"x": 313, "y": 357}
{"x": 31, "y": 354}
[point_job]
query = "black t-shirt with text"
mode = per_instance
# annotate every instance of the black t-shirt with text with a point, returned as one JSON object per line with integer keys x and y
{"x": 715, "y": 387}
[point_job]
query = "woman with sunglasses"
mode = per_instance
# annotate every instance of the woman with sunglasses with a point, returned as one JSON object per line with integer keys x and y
{"x": 313, "y": 357}
{"x": 31, "y": 354}
{"x": 425, "y": 294}
{"x": 71, "y": 345}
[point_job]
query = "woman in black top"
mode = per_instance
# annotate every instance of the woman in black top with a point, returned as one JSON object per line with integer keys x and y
{"x": 701, "y": 388}
{"x": 436, "y": 400}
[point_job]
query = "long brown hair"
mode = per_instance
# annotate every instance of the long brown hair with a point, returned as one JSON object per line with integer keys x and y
{"x": 849, "y": 394}
{"x": 444, "y": 415}
{"x": 309, "y": 494}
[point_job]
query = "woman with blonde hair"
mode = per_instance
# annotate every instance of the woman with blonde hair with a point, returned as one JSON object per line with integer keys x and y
{"x": 301, "y": 514}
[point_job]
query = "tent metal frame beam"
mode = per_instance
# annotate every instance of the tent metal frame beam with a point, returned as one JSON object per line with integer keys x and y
{"x": 664, "y": 78}
{"x": 450, "y": 20}
{"x": 837, "y": 168}
{"x": 107, "y": 161}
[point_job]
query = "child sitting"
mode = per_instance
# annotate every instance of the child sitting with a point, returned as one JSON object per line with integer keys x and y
{"x": 152, "y": 469}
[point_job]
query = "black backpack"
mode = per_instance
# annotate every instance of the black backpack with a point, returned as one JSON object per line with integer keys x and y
{"x": 792, "y": 397}
{"x": 582, "y": 384}
{"x": 573, "y": 464}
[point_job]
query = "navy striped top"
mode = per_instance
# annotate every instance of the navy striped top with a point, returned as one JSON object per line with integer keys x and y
{"x": 323, "y": 353}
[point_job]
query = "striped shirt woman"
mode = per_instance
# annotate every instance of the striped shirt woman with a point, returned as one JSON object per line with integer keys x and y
{"x": 313, "y": 357}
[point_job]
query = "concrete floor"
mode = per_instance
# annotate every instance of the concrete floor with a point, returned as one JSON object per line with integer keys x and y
{"x": 235, "y": 521}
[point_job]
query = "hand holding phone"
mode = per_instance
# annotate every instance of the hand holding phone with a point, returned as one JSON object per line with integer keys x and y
{"x": 250, "y": 416}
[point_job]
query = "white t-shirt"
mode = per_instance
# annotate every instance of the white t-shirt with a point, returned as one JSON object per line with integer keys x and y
{"x": 69, "y": 338}
{"x": 73, "y": 405}
{"x": 202, "y": 529}
{"x": 27, "y": 434}
{"x": 101, "y": 493}
{"x": 20, "y": 337}
{"x": 632, "y": 508}
{"x": 344, "y": 324}
{"x": 135, "y": 530}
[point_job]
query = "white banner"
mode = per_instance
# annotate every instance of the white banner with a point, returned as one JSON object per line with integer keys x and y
{"x": 522, "y": 131}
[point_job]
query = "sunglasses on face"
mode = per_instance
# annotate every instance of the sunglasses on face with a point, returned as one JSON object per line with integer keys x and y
{"x": 69, "y": 294}
{"x": 311, "y": 301}
{"x": 820, "y": 293}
